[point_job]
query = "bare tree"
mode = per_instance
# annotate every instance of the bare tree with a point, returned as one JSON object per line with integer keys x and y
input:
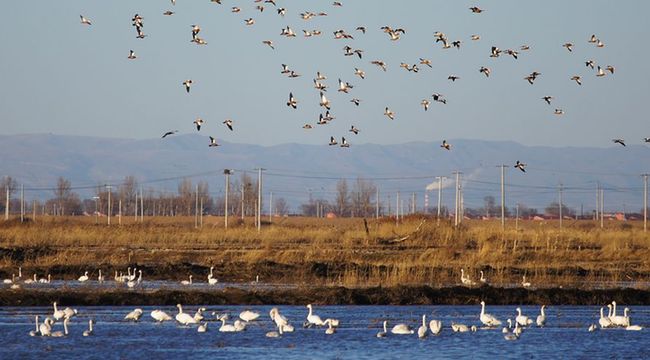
{"x": 362, "y": 197}
{"x": 281, "y": 207}
{"x": 128, "y": 191}
{"x": 67, "y": 201}
{"x": 342, "y": 197}
{"x": 7, "y": 183}
{"x": 186, "y": 195}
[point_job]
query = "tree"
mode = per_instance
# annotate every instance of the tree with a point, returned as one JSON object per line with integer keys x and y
{"x": 7, "y": 183}
{"x": 67, "y": 202}
{"x": 362, "y": 198}
{"x": 281, "y": 207}
{"x": 128, "y": 191}
{"x": 553, "y": 209}
{"x": 342, "y": 197}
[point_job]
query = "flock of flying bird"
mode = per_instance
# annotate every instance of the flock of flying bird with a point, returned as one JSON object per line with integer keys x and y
{"x": 394, "y": 34}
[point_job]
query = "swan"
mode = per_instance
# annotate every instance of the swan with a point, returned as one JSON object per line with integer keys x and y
{"x": 132, "y": 276}
{"x": 35, "y": 332}
{"x": 525, "y": 283}
{"x": 184, "y": 318}
{"x": 202, "y": 328}
{"x": 10, "y": 281}
{"x": 422, "y": 330}
{"x": 58, "y": 314}
{"x": 90, "y": 328}
{"x": 100, "y": 277}
{"x": 65, "y": 330}
{"x": 186, "y": 282}
{"x": 280, "y": 320}
{"x": 617, "y": 320}
{"x": 483, "y": 279}
{"x": 592, "y": 328}
{"x": 239, "y": 325}
{"x": 83, "y": 277}
{"x": 488, "y": 319}
{"x": 330, "y": 329}
{"x": 435, "y": 326}
{"x": 604, "y": 322}
{"x": 31, "y": 281}
{"x": 248, "y": 315}
{"x": 517, "y": 331}
{"x": 461, "y": 327}
{"x": 626, "y": 317}
{"x": 226, "y": 327}
{"x": 401, "y": 329}
{"x": 334, "y": 322}
{"x": 211, "y": 279}
{"x": 522, "y": 320}
{"x": 134, "y": 315}
{"x": 44, "y": 280}
{"x": 634, "y": 328}
{"x": 198, "y": 316}
{"x": 132, "y": 283}
{"x": 510, "y": 337}
{"x": 506, "y": 329}
{"x": 541, "y": 318}
{"x": 45, "y": 329}
{"x": 466, "y": 280}
{"x": 160, "y": 315}
{"x": 382, "y": 334}
{"x": 313, "y": 319}
{"x": 69, "y": 312}
{"x": 274, "y": 334}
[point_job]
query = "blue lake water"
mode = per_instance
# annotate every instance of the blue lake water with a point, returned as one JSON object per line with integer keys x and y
{"x": 565, "y": 335}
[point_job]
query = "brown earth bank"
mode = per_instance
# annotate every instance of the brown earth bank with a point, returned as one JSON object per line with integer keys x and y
{"x": 401, "y": 295}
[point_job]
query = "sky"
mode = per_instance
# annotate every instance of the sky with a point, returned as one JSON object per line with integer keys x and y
{"x": 63, "y": 77}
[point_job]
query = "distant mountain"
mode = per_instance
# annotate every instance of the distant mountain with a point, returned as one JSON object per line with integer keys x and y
{"x": 295, "y": 170}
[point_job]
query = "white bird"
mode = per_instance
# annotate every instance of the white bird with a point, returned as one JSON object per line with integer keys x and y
{"x": 65, "y": 330}
{"x": 90, "y": 328}
{"x": 188, "y": 84}
{"x": 603, "y": 321}
{"x": 324, "y": 102}
{"x": 292, "y": 101}
{"x": 617, "y": 320}
{"x": 160, "y": 315}
{"x": 198, "y": 316}
{"x": 422, "y": 330}
{"x": 198, "y": 122}
{"x": 517, "y": 331}
{"x": 461, "y": 327}
{"x": 45, "y": 280}
{"x": 189, "y": 282}
{"x": 488, "y": 319}
{"x": 274, "y": 334}
{"x": 463, "y": 279}
{"x": 541, "y": 318}
{"x": 383, "y": 333}
{"x": 202, "y": 328}
{"x": 330, "y": 328}
{"x": 226, "y": 327}
{"x": 45, "y": 329}
{"x": 634, "y": 328}
{"x": 36, "y": 331}
{"x": 401, "y": 329}
{"x": 134, "y": 315}
{"x": 280, "y": 320}
{"x": 69, "y": 312}
{"x": 239, "y": 325}
{"x": 184, "y": 318}
{"x": 211, "y": 279}
{"x": 435, "y": 326}
{"x": 313, "y": 319}
{"x": 248, "y": 315}
{"x": 84, "y": 20}
{"x": 592, "y": 328}
{"x": 83, "y": 277}
{"x": 100, "y": 277}
{"x": 522, "y": 320}
{"x": 132, "y": 55}
{"x": 10, "y": 281}
{"x": 58, "y": 314}
{"x": 389, "y": 113}
{"x": 525, "y": 283}
{"x": 482, "y": 279}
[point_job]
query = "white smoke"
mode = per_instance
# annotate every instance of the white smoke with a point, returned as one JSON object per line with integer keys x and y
{"x": 450, "y": 181}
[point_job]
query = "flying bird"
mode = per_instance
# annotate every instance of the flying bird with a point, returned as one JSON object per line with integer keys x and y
{"x": 600, "y": 72}
{"x": 354, "y": 130}
{"x": 453, "y": 78}
{"x": 577, "y": 79}
{"x": 360, "y": 73}
{"x": 307, "y": 126}
{"x": 187, "y": 84}
{"x": 476, "y": 10}
{"x": 559, "y": 112}
{"x": 332, "y": 141}
{"x": 84, "y": 20}
{"x": 548, "y": 99}
{"x": 292, "y": 101}
{"x": 425, "y": 103}
{"x": 485, "y": 71}
{"x": 213, "y": 142}
{"x": 445, "y": 145}
{"x": 521, "y": 166}
{"x": 168, "y": 13}
{"x": 439, "y": 98}
{"x": 379, "y": 63}
{"x": 344, "y": 143}
{"x": 198, "y": 122}
{"x": 131, "y": 55}
{"x": 324, "y": 102}
{"x": 269, "y": 43}
{"x": 568, "y": 46}
{"x": 426, "y": 62}
{"x": 228, "y": 123}
{"x": 356, "y": 101}
{"x": 619, "y": 141}
{"x": 389, "y": 113}
{"x": 169, "y": 133}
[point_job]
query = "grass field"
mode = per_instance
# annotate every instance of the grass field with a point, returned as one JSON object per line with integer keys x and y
{"x": 417, "y": 251}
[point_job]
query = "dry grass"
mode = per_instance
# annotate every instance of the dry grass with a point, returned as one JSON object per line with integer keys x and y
{"x": 336, "y": 251}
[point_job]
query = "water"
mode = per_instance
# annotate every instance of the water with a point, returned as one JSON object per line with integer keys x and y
{"x": 565, "y": 335}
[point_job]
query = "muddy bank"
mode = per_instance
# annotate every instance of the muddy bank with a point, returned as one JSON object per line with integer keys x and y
{"x": 422, "y": 295}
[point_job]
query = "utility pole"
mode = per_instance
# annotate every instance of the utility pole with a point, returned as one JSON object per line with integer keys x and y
{"x": 201, "y": 214}
{"x": 108, "y": 214}
{"x": 598, "y": 202}
{"x": 413, "y": 206}
{"x": 242, "y": 201}
{"x": 141, "y": 206}
{"x": 7, "y": 204}
{"x": 602, "y": 207}
{"x": 503, "y": 197}
{"x": 560, "y": 198}
{"x": 271, "y": 207}
{"x": 227, "y": 172}
{"x": 645, "y": 202}
{"x": 377, "y": 204}
{"x": 135, "y": 209}
{"x": 397, "y": 209}
{"x": 34, "y": 210}
{"x": 517, "y": 219}
{"x": 259, "y": 199}
{"x": 196, "y": 207}
{"x": 439, "y": 195}
{"x": 22, "y": 203}
{"x": 119, "y": 214}
{"x": 456, "y": 200}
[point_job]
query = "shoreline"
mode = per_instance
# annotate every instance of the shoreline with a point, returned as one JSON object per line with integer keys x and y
{"x": 400, "y": 295}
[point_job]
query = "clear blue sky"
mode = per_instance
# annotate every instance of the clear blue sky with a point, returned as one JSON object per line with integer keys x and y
{"x": 66, "y": 78}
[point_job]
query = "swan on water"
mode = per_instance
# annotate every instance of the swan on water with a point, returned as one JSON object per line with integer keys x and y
{"x": 45, "y": 329}
{"x": 248, "y": 315}
{"x": 239, "y": 325}
{"x": 90, "y": 328}
{"x": 187, "y": 282}
{"x": 83, "y": 277}
{"x": 134, "y": 315}
{"x": 541, "y": 318}
{"x": 35, "y": 332}
{"x": 402, "y": 329}
{"x": 184, "y": 318}
{"x": 506, "y": 329}
{"x": 132, "y": 276}
{"x": 517, "y": 330}
{"x": 211, "y": 279}
{"x": 313, "y": 319}
{"x": 280, "y": 320}
{"x": 100, "y": 277}
{"x": 604, "y": 322}
{"x": 383, "y": 333}
{"x": 330, "y": 329}
{"x": 422, "y": 330}
{"x": 160, "y": 316}
{"x": 334, "y": 322}
{"x": 198, "y": 316}
{"x": 462, "y": 327}
{"x": 435, "y": 326}
{"x": 274, "y": 334}
{"x": 592, "y": 328}
{"x": 69, "y": 312}
{"x": 31, "y": 281}
{"x": 634, "y": 328}
{"x": 202, "y": 328}
{"x": 45, "y": 280}
{"x": 65, "y": 330}
{"x": 488, "y": 319}
{"x": 483, "y": 279}
{"x": 10, "y": 281}
{"x": 58, "y": 314}
{"x": 226, "y": 327}
{"x": 522, "y": 320}
{"x": 626, "y": 317}
{"x": 133, "y": 282}
{"x": 617, "y": 320}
